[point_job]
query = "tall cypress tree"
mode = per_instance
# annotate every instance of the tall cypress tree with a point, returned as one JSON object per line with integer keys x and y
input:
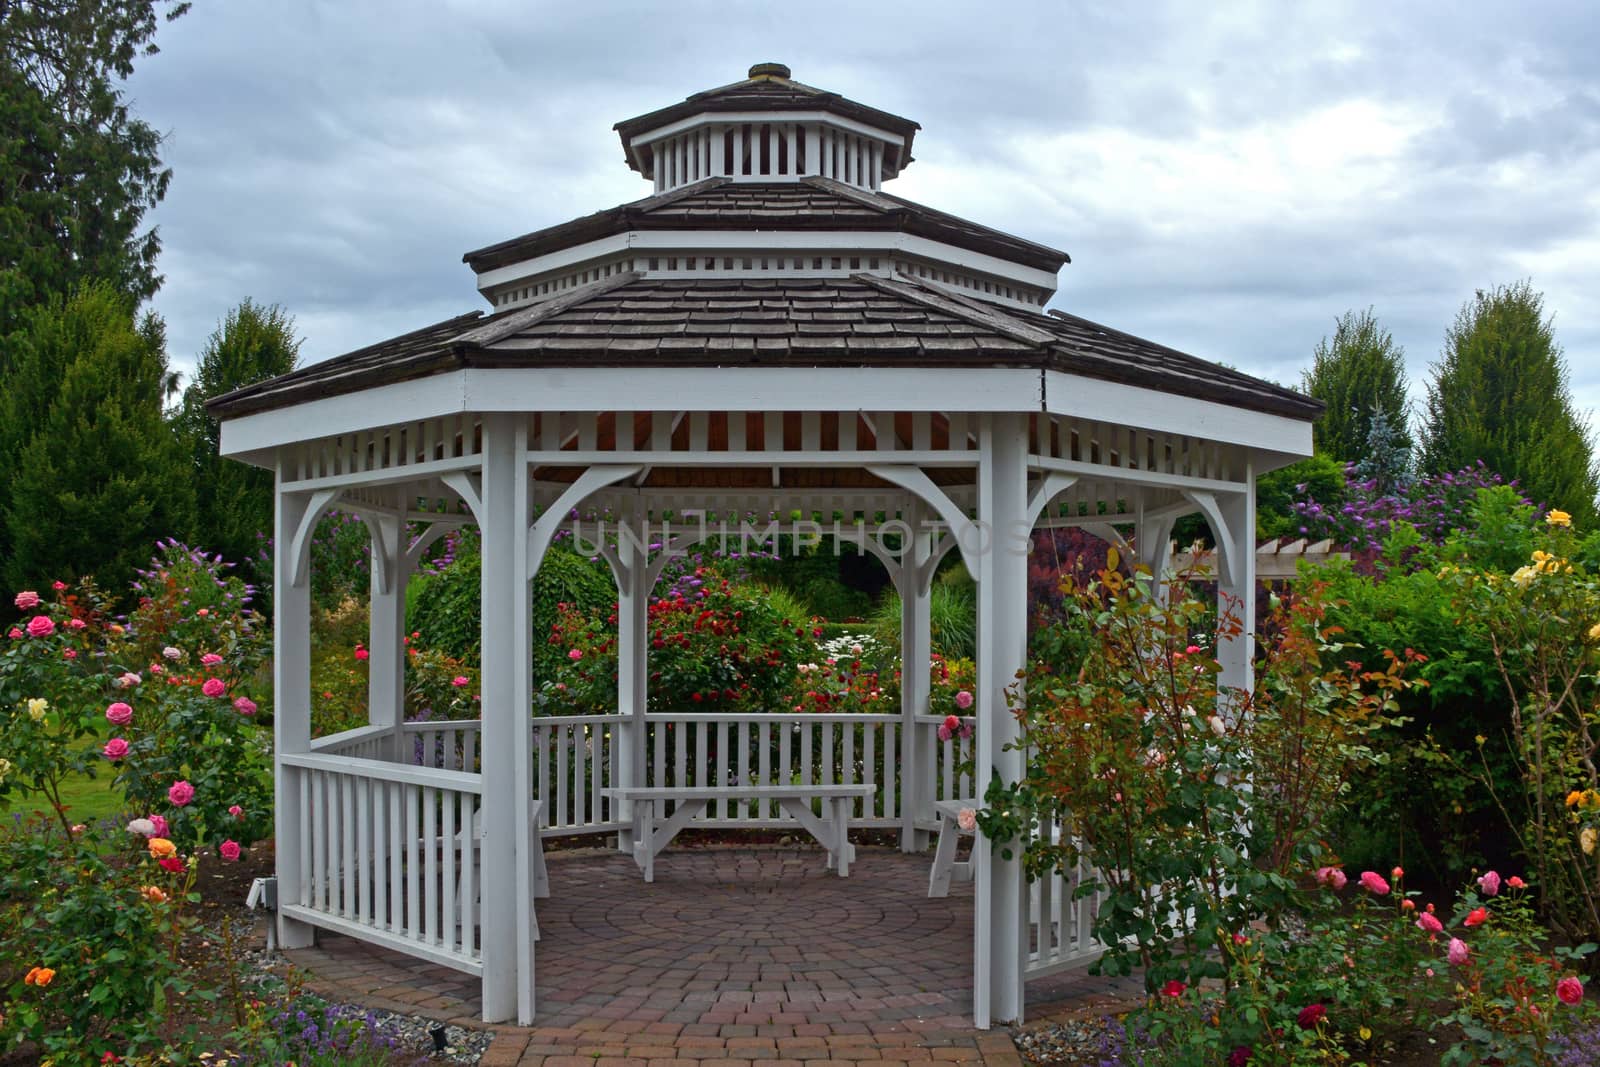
{"x": 252, "y": 343}
{"x": 1500, "y": 394}
{"x": 78, "y": 171}
{"x": 1357, "y": 373}
{"x": 99, "y": 473}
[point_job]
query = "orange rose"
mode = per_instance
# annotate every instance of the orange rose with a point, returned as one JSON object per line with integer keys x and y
{"x": 154, "y": 894}
{"x": 161, "y": 848}
{"x": 39, "y": 976}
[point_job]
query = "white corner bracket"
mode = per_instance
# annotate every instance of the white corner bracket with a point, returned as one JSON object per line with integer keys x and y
{"x": 1207, "y": 503}
{"x": 543, "y": 530}
{"x": 916, "y": 481}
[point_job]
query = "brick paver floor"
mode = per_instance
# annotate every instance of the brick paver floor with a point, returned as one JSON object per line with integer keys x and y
{"x": 733, "y": 954}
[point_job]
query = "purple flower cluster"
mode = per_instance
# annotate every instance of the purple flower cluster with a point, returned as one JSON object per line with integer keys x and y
{"x": 1437, "y": 506}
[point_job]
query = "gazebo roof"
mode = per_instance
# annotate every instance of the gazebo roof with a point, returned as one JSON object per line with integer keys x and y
{"x": 769, "y": 88}
{"x": 632, "y": 319}
{"x": 811, "y": 204}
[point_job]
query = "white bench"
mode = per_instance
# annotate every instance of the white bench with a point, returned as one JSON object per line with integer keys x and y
{"x": 945, "y": 867}
{"x": 652, "y": 832}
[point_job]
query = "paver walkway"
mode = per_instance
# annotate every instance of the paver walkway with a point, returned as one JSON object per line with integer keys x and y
{"x": 733, "y": 954}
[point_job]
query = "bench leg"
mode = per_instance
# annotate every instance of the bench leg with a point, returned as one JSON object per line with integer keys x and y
{"x": 944, "y": 857}
{"x": 841, "y": 831}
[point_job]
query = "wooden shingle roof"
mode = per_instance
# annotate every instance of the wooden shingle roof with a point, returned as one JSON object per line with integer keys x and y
{"x": 809, "y": 204}
{"x": 769, "y": 92}
{"x": 632, "y": 320}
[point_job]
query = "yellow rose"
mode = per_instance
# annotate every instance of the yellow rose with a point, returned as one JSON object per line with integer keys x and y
{"x": 1586, "y": 838}
{"x": 5, "y": 769}
{"x": 1557, "y": 517}
{"x": 1522, "y": 577}
{"x": 37, "y": 706}
{"x": 1594, "y": 632}
{"x": 161, "y": 848}
{"x": 1573, "y": 798}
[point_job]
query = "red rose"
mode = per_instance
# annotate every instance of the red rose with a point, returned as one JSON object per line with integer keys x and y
{"x": 172, "y": 863}
{"x": 1476, "y": 917}
{"x": 1173, "y": 988}
{"x": 1311, "y": 1015}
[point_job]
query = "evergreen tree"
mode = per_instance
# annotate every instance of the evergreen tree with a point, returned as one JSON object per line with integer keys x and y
{"x": 1357, "y": 373}
{"x": 98, "y": 472}
{"x": 234, "y": 504}
{"x": 78, "y": 171}
{"x": 1500, "y": 394}
{"x": 1387, "y": 462}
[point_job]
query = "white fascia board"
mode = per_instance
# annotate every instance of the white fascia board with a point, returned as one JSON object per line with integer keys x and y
{"x": 969, "y": 389}
{"x": 1091, "y": 398}
{"x": 486, "y": 390}
{"x": 368, "y": 409}
{"x": 731, "y": 118}
{"x": 601, "y": 248}
{"x": 755, "y": 241}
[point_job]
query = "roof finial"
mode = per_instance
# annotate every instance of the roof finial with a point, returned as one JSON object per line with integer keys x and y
{"x": 769, "y": 70}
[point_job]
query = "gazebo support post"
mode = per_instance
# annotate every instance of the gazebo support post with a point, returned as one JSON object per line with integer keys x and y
{"x": 633, "y": 652}
{"x": 386, "y": 631}
{"x": 1236, "y": 585}
{"x": 916, "y": 771}
{"x": 1002, "y": 653}
{"x": 291, "y": 685}
{"x": 507, "y": 884}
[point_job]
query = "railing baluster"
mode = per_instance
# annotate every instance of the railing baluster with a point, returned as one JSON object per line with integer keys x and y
{"x": 308, "y": 823}
{"x": 563, "y": 743}
{"x": 397, "y": 863}
{"x": 363, "y": 851}
{"x": 413, "y": 835}
{"x": 430, "y": 865}
{"x": 869, "y": 770}
{"x": 347, "y": 842}
{"x": 764, "y": 740}
{"x": 449, "y": 844}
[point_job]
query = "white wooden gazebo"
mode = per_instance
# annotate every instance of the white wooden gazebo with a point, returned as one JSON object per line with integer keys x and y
{"x": 768, "y": 333}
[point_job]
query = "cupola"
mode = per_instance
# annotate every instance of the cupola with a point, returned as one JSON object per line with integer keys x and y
{"x": 768, "y": 127}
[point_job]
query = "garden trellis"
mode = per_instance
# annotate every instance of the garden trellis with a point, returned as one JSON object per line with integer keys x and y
{"x": 769, "y": 333}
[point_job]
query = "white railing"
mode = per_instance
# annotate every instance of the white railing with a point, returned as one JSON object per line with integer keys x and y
{"x": 780, "y": 748}
{"x": 388, "y": 853}
{"x": 363, "y": 742}
{"x": 577, "y": 757}
{"x": 1059, "y": 929}
{"x": 945, "y": 756}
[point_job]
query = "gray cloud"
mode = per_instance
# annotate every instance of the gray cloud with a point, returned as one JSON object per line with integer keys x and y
{"x": 1228, "y": 178}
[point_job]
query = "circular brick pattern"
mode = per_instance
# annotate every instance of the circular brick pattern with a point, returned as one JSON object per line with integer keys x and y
{"x": 756, "y": 953}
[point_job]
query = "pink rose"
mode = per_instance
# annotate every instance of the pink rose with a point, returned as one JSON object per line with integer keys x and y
{"x": 1458, "y": 952}
{"x": 963, "y": 700}
{"x": 244, "y": 706}
{"x": 115, "y": 749}
{"x": 575, "y": 655}
{"x": 26, "y": 599}
{"x": 1332, "y": 876}
{"x": 210, "y": 659}
{"x": 229, "y": 851}
{"x": 60, "y": 587}
{"x": 172, "y": 653}
{"x": 1373, "y": 882}
{"x": 214, "y": 688}
{"x": 236, "y": 811}
{"x": 1515, "y": 882}
{"x": 160, "y": 823}
{"x": 119, "y": 714}
{"x": 461, "y": 681}
{"x": 1490, "y": 884}
{"x": 180, "y": 794}
{"x": 69, "y": 653}
{"x": 1430, "y": 924}
{"x": 362, "y": 653}
{"x": 967, "y": 819}
{"x": 127, "y": 680}
{"x": 1569, "y": 990}
{"x": 41, "y": 626}
{"x": 14, "y": 633}
{"x": 944, "y": 732}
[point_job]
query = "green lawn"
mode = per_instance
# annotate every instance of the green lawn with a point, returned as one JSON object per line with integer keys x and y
{"x": 87, "y": 799}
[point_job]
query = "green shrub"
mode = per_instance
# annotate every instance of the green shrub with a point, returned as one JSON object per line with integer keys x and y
{"x": 952, "y": 619}
{"x": 445, "y": 608}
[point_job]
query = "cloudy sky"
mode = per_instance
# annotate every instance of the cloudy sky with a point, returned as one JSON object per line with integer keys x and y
{"x": 1227, "y": 177}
